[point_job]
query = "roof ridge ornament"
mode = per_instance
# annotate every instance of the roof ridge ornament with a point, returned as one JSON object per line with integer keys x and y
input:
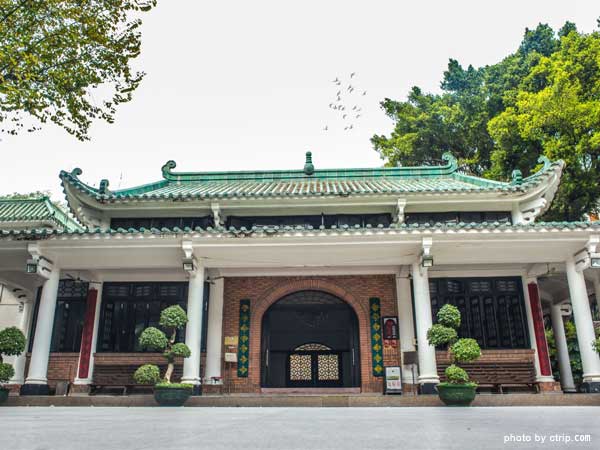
{"x": 517, "y": 178}
{"x": 451, "y": 160}
{"x": 76, "y": 172}
{"x": 309, "y": 168}
{"x": 543, "y": 159}
{"x": 103, "y": 188}
{"x": 167, "y": 168}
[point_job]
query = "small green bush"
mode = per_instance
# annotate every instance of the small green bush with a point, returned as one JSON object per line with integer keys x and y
{"x": 173, "y": 317}
{"x": 449, "y": 316}
{"x": 596, "y": 345}
{"x": 153, "y": 339}
{"x": 456, "y": 375}
{"x": 440, "y": 335}
{"x": 181, "y": 350}
{"x": 6, "y": 372}
{"x": 465, "y": 350}
{"x": 147, "y": 374}
{"x": 174, "y": 386}
{"x": 12, "y": 341}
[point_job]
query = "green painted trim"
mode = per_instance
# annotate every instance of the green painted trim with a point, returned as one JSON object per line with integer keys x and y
{"x": 270, "y": 231}
{"x": 244, "y": 340}
{"x": 376, "y": 336}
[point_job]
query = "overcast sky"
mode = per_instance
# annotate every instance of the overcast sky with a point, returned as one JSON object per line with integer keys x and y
{"x": 237, "y": 85}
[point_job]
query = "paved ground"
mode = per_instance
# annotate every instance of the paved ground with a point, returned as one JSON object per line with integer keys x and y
{"x": 93, "y": 428}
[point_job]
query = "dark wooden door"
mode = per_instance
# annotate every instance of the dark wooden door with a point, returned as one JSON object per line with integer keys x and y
{"x": 314, "y": 369}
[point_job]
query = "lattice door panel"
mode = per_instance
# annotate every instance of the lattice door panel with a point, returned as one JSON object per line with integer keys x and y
{"x": 300, "y": 367}
{"x": 328, "y": 367}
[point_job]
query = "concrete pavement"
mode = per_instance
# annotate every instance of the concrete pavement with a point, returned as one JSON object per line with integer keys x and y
{"x": 94, "y": 428}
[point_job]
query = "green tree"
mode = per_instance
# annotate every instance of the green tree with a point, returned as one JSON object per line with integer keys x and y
{"x": 544, "y": 99}
{"x": 67, "y": 62}
{"x": 556, "y": 108}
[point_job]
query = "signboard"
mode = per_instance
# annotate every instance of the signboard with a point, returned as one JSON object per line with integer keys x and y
{"x": 231, "y": 357}
{"x": 390, "y": 327}
{"x": 231, "y": 340}
{"x": 392, "y": 380}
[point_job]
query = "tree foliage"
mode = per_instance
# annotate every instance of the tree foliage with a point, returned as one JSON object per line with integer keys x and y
{"x": 67, "y": 62}
{"x": 544, "y": 99}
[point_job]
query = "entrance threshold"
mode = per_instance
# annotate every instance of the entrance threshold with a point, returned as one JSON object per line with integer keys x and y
{"x": 311, "y": 391}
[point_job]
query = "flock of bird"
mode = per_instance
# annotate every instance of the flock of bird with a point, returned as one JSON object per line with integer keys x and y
{"x": 344, "y": 97}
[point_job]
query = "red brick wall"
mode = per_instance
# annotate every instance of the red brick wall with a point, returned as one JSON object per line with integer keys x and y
{"x": 264, "y": 291}
{"x": 61, "y": 367}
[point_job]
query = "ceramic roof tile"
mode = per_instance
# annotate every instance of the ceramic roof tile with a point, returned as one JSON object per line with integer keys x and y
{"x": 446, "y": 178}
{"x": 39, "y": 209}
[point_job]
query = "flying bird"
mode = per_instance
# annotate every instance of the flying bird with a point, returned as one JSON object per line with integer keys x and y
{"x": 344, "y": 116}
{"x": 352, "y": 74}
{"x": 364, "y": 93}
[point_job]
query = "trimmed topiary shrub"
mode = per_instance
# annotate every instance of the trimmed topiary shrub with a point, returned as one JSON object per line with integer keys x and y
{"x": 147, "y": 374}
{"x": 172, "y": 319}
{"x": 12, "y": 343}
{"x": 465, "y": 350}
{"x": 449, "y": 316}
{"x": 456, "y": 375}
{"x": 6, "y": 372}
{"x": 459, "y": 350}
{"x": 440, "y": 335}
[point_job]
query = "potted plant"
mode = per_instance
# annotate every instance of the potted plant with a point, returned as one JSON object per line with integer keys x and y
{"x": 166, "y": 393}
{"x": 12, "y": 343}
{"x": 457, "y": 390}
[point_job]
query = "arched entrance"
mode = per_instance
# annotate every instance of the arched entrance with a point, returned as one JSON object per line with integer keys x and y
{"x": 310, "y": 339}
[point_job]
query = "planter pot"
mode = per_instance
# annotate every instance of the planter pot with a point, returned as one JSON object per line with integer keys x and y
{"x": 456, "y": 394}
{"x": 3, "y": 395}
{"x": 175, "y": 396}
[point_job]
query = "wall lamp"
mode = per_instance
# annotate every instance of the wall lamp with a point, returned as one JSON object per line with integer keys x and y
{"x": 189, "y": 265}
{"x": 427, "y": 261}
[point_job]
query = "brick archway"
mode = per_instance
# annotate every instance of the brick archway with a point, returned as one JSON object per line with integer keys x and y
{"x": 287, "y": 287}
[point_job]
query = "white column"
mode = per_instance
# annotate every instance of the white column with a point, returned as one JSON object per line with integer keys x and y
{"x": 97, "y": 311}
{"x": 214, "y": 342}
{"x": 25, "y": 327}
{"x": 562, "y": 351}
{"x": 426, "y": 353}
{"x": 531, "y": 329}
{"x": 405, "y": 322}
{"x": 193, "y": 330}
{"x": 40, "y": 353}
{"x": 583, "y": 322}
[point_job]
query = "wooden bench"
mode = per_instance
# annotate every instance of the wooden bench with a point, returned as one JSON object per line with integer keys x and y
{"x": 497, "y": 375}
{"x": 117, "y": 373}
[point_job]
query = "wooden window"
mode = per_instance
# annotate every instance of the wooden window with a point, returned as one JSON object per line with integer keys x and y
{"x": 492, "y": 309}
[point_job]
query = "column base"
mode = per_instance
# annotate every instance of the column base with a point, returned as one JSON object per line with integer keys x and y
{"x": 34, "y": 389}
{"x": 547, "y": 387}
{"x": 590, "y": 387}
{"x": 428, "y": 389}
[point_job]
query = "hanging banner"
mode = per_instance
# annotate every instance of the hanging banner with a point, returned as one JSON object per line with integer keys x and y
{"x": 244, "y": 339}
{"x": 376, "y": 338}
{"x": 87, "y": 334}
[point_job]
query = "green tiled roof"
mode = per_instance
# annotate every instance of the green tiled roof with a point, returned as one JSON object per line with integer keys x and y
{"x": 21, "y": 212}
{"x": 310, "y": 231}
{"x": 446, "y": 178}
